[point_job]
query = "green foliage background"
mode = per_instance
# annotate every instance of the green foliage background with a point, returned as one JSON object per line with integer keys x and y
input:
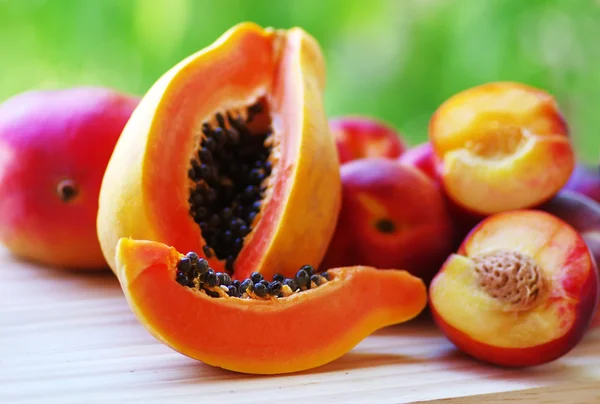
{"x": 392, "y": 59}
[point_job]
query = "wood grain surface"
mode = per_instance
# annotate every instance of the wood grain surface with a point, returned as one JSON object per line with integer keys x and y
{"x": 70, "y": 337}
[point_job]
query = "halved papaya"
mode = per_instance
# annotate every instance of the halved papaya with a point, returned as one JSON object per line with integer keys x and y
{"x": 246, "y": 331}
{"x": 229, "y": 154}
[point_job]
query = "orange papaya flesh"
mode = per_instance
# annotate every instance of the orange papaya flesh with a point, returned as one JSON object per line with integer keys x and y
{"x": 263, "y": 336}
{"x": 161, "y": 184}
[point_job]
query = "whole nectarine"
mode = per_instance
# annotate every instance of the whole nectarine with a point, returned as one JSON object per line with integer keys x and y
{"x": 392, "y": 216}
{"x": 358, "y": 137}
{"x": 421, "y": 157}
{"x": 585, "y": 180}
{"x": 55, "y": 145}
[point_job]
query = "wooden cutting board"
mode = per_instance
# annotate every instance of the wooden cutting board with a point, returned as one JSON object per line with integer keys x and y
{"x": 70, "y": 337}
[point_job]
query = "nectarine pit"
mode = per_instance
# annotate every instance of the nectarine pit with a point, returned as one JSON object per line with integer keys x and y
{"x": 228, "y": 173}
{"x": 195, "y": 272}
{"x": 500, "y": 140}
{"x": 511, "y": 277}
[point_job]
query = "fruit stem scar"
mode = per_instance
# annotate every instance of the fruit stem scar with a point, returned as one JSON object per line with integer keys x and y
{"x": 511, "y": 277}
{"x": 67, "y": 190}
{"x": 386, "y": 226}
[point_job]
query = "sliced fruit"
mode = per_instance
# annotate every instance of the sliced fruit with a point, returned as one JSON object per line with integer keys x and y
{"x": 521, "y": 291}
{"x": 253, "y": 331}
{"x": 229, "y": 154}
{"x": 501, "y": 146}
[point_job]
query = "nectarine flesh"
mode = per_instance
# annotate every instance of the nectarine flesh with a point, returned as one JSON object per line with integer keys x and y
{"x": 521, "y": 290}
{"x": 501, "y": 146}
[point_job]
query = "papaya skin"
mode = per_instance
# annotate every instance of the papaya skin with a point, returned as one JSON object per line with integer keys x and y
{"x": 145, "y": 189}
{"x": 299, "y": 332}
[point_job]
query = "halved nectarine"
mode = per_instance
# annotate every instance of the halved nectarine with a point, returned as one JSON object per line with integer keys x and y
{"x": 521, "y": 290}
{"x": 501, "y": 146}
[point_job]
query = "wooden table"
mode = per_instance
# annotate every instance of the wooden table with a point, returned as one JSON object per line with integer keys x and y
{"x": 70, "y": 337}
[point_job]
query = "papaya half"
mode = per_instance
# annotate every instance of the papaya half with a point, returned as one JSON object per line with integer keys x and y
{"x": 229, "y": 154}
{"x": 259, "y": 326}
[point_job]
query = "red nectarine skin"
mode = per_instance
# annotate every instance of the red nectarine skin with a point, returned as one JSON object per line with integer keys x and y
{"x": 501, "y": 146}
{"x": 585, "y": 180}
{"x": 583, "y": 214}
{"x": 392, "y": 216}
{"x": 421, "y": 157}
{"x": 54, "y": 147}
{"x": 556, "y": 271}
{"x": 360, "y": 137}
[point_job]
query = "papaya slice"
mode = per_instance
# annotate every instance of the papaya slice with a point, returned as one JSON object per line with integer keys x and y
{"x": 229, "y": 154}
{"x": 268, "y": 334}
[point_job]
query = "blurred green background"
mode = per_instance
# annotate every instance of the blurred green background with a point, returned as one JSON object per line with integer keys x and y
{"x": 393, "y": 59}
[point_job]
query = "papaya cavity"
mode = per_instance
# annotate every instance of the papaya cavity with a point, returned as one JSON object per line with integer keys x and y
{"x": 229, "y": 175}
{"x": 323, "y": 318}
{"x": 195, "y": 273}
{"x": 229, "y": 155}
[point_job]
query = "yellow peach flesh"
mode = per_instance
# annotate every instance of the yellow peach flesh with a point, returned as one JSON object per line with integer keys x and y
{"x": 493, "y": 105}
{"x": 465, "y": 306}
{"x": 559, "y": 254}
{"x": 530, "y": 175}
{"x": 502, "y": 146}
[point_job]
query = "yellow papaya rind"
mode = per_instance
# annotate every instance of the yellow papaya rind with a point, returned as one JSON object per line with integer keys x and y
{"x": 140, "y": 198}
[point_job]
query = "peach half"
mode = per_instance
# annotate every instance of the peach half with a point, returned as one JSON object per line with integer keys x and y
{"x": 521, "y": 291}
{"x": 359, "y": 137}
{"x": 501, "y": 146}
